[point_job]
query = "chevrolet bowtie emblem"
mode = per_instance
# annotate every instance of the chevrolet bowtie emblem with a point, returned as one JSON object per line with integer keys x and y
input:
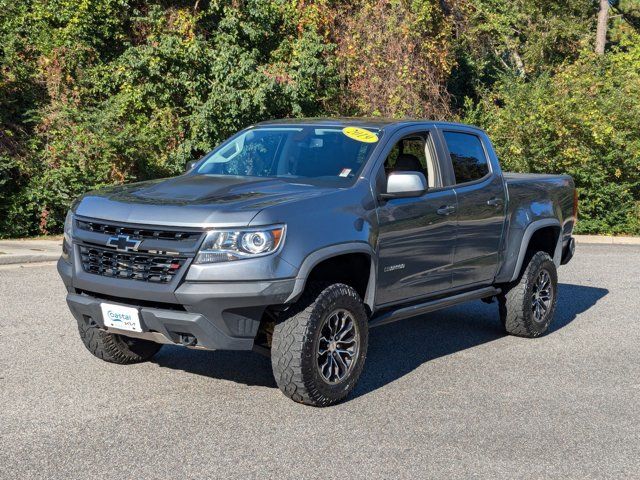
{"x": 124, "y": 243}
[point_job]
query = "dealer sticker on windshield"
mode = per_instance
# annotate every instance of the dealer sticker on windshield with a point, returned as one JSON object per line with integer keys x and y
{"x": 360, "y": 134}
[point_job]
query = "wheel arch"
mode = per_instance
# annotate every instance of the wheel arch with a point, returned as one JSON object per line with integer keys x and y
{"x": 324, "y": 261}
{"x": 545, "y": 234}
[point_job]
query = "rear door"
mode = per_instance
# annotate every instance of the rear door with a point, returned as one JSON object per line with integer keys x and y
{"x": 416, "y": 235}
{"x": 480, "y": 193}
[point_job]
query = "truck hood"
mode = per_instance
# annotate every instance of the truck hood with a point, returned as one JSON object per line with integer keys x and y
{"x": 194, "y": 200}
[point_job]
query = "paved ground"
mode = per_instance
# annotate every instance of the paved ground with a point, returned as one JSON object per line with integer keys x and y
{"x": 442, "y": 396}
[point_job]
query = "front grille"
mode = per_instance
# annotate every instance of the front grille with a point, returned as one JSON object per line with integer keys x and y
{"x": 135, "y": 232}
{"x": 133, "y": 266}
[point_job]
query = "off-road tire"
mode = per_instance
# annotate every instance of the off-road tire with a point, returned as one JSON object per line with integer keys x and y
{"x": 515, "y": 301}
{"x": 295, "y": 342}
{"x": 116, "y": 348}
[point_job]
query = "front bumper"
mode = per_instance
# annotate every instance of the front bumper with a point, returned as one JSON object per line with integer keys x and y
{"x": 208, "y": 315}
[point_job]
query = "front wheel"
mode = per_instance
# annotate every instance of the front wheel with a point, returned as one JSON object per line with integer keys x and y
{"x": 320, "y": 344}
{"x": 114, "y": 348}
{"x": 527, "y": 307}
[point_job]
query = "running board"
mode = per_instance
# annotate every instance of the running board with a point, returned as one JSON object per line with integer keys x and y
{"x": 431, "y": 306}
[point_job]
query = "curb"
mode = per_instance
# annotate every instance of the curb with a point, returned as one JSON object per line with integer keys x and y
{"x": 15, "y": 252}
{"x": 21, "y": 259}
{"x": 607, "y": 240}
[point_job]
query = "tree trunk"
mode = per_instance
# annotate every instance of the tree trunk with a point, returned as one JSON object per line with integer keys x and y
{"x": 517, "y": 59}
{"x": 601, "y": 33}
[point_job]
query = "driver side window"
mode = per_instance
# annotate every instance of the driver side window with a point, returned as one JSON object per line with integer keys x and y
{"x": 411, "y": 154}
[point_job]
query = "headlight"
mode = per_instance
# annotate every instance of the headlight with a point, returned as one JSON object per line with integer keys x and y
{"x": 68, "y": 227}
{"x": 68, "y": 231}
{"x": 237, "y": 244}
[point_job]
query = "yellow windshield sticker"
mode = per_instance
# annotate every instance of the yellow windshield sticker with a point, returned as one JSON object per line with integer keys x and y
{"x": 360, "y": 134}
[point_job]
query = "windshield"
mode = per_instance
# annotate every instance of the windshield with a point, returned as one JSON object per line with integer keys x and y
{"x": 293, "y": 152}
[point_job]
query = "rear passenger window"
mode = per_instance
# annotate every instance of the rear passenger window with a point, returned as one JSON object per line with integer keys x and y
{"x": 467, "y": 156}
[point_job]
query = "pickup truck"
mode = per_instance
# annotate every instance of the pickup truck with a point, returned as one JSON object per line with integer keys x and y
{"x": 295, "y": 237}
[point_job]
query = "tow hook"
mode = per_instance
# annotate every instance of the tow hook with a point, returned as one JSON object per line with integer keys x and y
{"x": 188, "y": 340}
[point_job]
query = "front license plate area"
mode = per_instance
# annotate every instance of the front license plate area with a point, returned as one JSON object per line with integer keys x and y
{"x": 123, "y": 318}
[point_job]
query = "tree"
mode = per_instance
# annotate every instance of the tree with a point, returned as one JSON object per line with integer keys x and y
{"x": 102, "y": 92}
{"x": 582, "y": 120}
{"x": 601, "y": 32}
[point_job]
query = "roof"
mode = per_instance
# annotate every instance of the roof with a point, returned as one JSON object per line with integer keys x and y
{"x": 341, "y": 121}
{"x": 375, "y": 122}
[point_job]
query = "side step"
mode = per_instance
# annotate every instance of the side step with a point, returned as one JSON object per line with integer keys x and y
{"x": 431, "y": 306}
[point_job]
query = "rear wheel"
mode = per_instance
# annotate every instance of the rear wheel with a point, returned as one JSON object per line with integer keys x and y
{"x": 116, "y": 348}
{"x": 528, "y": 306}
{"x": 320, "y": 344}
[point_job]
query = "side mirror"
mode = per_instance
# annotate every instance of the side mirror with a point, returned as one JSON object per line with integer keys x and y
{"x": 190, "y": 164}
{"x": 405, "y": 185}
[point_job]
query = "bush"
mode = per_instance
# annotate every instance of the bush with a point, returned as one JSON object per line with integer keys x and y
{"x": 134, "y": 91}
{"x": 101, "y": 92}
{"x": 582, "y": 121}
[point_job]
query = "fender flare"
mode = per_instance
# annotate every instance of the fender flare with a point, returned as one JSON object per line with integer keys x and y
{"x": 526, "y": 237}
{"x": 325, "y": 253}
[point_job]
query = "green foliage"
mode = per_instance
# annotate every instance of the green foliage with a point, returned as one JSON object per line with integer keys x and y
{"x": 101, "y": 92}
{"x": 130, "y": 91}
{"x": 520, "y": 38}
{"x": 582, "y": 121}
{"x": 394, "y": 57}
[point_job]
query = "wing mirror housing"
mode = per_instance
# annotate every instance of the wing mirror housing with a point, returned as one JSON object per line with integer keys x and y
{"x": 405, "y": 185}
{"x": 189, "y": 165}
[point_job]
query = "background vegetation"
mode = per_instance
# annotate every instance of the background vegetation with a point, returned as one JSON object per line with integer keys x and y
{"x": 97, "y": 92}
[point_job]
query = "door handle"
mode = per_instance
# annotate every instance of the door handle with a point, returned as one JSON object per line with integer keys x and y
{"x": 446, "y": 210}
{"x": 495, "y": 202}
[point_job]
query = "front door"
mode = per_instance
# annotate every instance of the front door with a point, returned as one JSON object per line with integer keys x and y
{"x": 416, "y": 235}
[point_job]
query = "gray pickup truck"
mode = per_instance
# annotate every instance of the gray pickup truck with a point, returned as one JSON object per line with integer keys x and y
{"x": 295, "y": 237}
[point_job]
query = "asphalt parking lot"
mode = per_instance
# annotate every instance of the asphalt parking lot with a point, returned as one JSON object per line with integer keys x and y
{"x": 445, "y": 395}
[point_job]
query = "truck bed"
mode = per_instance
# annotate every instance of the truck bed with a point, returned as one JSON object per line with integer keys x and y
{"x": 540, "y": 193}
